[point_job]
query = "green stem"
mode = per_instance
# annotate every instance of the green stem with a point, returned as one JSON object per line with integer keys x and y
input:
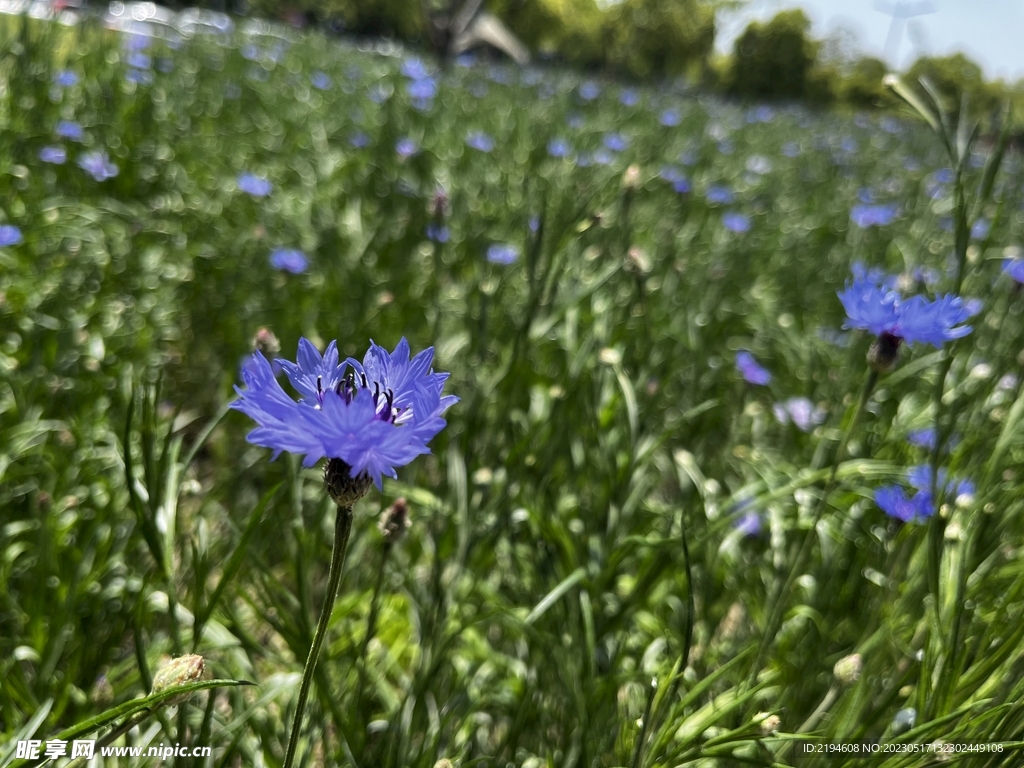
{"x": 342, "y": 529}
{"x": 371, "y": 624}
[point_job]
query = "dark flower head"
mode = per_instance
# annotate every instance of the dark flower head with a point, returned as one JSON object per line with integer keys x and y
{"x": 97, "y": 164}
{"x": 254, "y": 185}
{"x": 751, "y": 369}
{"x": 375, "y": 415}
{"x": 9, "y": 235}
{"x": 289, "y": 260}
{"x": 502, "y": 253}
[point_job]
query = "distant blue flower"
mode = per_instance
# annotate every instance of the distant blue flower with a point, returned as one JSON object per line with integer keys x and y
{"x": 559, "y": 148}
{"x": 921, "y": 478}
{"x": 414, "y": 69}
{"x": 791, "y": 149}
{"x": 616, "y": 142}
{"x": 751, "y": 370}
{"x": 480, "y": 141}
{"x": 736, "y": 222}
{"x": 55, "y": 155}
{"x": 865, "y": 195}
{"x": 422, "y": 89}
{"x": 289, "y": 260}
{"x": 848, "y": 144}
{"x": 866, "y": 215}
{"x": 718, "y": 194}
{"x": 629, "y": 97}
{"x": 944, "y": 176}
{"x": 467, "y": 59}
{"x": 250, "y": 52}
{"x": 589, "y": 90}
{"x": 66, "y": 79}
{"x": 670, "y": 118}
{"x": 139, "y": 60}
{"x": 97, "y": 164}
{"x": 9, "y": 235}
{"x": 1015, "y": 269}
{"x": 141, "y": 76}
{"x": 70, "y": 130}
{"x": 874, "y": 307}
{"x": 764, "y": 114}
{"x": 406, "y": 147}
{"x": 136, "y": 42}
{"x": 374, "y": 416}
{"x": 923, "y": 438}
{"x": 254, "y": 185}
{"x": 980, "y": 229}
{"x": 321, "y": 80}
{"x": 502, "y": 253}
{"x": 437, "y": 232}
{"x": 359, "y": 139}
{"x": 804, "y": 414}
{"x": 682, "y": 186}
{"x": 749, "y": 524}
{"x": 894, "y": 502}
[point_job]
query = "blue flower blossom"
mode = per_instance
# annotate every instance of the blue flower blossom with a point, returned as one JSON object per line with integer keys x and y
{"x": 423, "y": 90}
{"x": 66, "y": 79}
{"x": 559, "y": 148}
{"x": 894, "y": 502}
{"x": 406, "y": 147}
{"x": 921, "y": 478}
{"x": 414, "y": 69}
{"x": 719, "y": 194}
{"x": 254, "y": 185}
{"x": 9, "y": 235}
{"x": 437, "y": 232}
{"x": 737, "y": 222}
{"x": 359, "y": 139}
{"x": 944, "y": 176}
{"x": 480, "y": 141}
{"x": 1015, "y": 269}
{"x": 69, "y": 129}
{"x": 97, "y": 164}
{"x": 139, "y": 60}
{"x": 670, "y": 118}
{"x": 867, "y": 215}
{"x": 375, "y": 416}
{"x": 615, "y": 141}
{"x": 321, "y": 80}
{"x": 289, "y": 260}
{"x": 54, "y": 155}
{"x": 749, "y": 524}
{"x": 589, "y": 90}
{"x": 922, "y": 438}
{"x": 629, "y": 97}
{"x": 752, "y": 371}
{"x": 502, "y": 253}
{"x": 980, "y": 229}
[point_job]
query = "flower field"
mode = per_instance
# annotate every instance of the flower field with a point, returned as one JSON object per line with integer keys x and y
{"x": 728, "y": 463}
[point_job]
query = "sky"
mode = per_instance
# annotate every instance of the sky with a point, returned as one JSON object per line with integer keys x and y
{"x": 990, "y": 32}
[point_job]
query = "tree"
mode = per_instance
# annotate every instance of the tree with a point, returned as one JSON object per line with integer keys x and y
{"x": 953, "y": 77}
{"x": 774, "y": 60}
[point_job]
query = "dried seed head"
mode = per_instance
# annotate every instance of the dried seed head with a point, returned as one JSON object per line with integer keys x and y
{"x": 394, "y": 521}
{"x": 344, "y": 489}
{"x": 180, "y": 671}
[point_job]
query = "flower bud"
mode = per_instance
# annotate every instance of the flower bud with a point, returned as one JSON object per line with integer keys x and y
{"x": 769, "y": 723}
{"x": 180, "y": 671}
{"x": 884, "y": 353}
{"x": 847, "y": 669}
{"x": 266, "y": 342}
{"x": 344, "y": 489}
{"x": 631, "y": 178}
{"x": 394, "y": 521}
{"x": 102, "y": 693}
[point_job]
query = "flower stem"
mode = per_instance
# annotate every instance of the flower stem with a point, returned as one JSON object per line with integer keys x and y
{"x": 342, "y": 529}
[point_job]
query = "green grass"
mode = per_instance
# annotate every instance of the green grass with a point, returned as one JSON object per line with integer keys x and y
{"x": 603, "y": 430}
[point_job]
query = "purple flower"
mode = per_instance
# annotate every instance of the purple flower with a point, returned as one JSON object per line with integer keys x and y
{"x": 629, "y": 97}
{"x": 670, "y": 118}
{"x": 406, "y": 147}
{"x": 749, "y": 524}
{"x": 921, "y": 478}
{"x": 289, "y": 260}
{"x": 374, "y": 416}
{"x": 615, "y": 141}
{"x": 980, "y": 229}
{"x": 894, "y": 502}
{"x": 736, "y": 222}
{"x": 751, "y": 369}
{"x": 254, "y": 185}
{"x": 438, "y": 232}
{"x": 480, "y": 141}
{"x": 923, "y": 438}
{"x": 97, "y": 164}
{"x": 877, "y": 308}
{"x": 804, "y": 414}
{"x": 55, "y": 155}
{"x": 414, "y": 69}
{"x": 139, "y": 60}
{"x": 9, "y": 235}
{"x": 944, "y": 176}
{"x": 69, "y": 129}
{"x": 66, "y": 79}
{"x": 422, "y": 90}
{"x": 866, "y": 215}
{"x": 1015, "y": 269}
{"x": 321, "y": 80}
{"x": 502, "y": 253}
{"x": 559, "y": 148}
{"x": 719, "y": 194}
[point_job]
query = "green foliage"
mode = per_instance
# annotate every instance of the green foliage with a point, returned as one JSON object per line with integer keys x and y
{"x": 862, "y": 84}
{"x": 774, "y": 60}
{"x": 954, "y": 77}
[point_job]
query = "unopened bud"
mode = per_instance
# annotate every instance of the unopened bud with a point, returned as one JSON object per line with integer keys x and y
{"x": 102, "y": 693}
{"x": 847, "y": 669}
{"x": 394, "y": 521}
{"x": 769, "y": 723}
{"x": 266, "y": 342}
{"x": 884, "y": 353}
{"x": 631, "y": 178}
{"x": 444, "y": 762}
{"x": 180, "y": 671}
{"x": 637, "y": 261}
{"x": 344, "y": 489}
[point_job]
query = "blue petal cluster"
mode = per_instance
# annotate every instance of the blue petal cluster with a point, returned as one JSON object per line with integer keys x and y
{"x": 374, "y": 415}
{"x": 872, "y": 304}
{"x": 894, "y": 501}
{"x": 751, "y": 370}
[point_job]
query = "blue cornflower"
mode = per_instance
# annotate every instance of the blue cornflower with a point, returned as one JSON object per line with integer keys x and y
{"x": 374, "y": 416}
{"x": 69, "y": 129}
{"x": 406, "y": 147}
{"x": 873, "y": 306}
{"x": 894, "y": 502}
{"x": 9, "y": 235}
{"x": 921, "y": 478}
{"x": 980, "y": 229}
{"x": 719, "y": 194}
{"x": 629, "y": 97}
{"x": 502, "y": 253}
{"x": 751, "y": 369}
{"x": 254, "y": 185}
{"x": 414, "y": 69}
{"x": 804, "y": 414}
{"x": 139, "y": 60}
{"x": 66, "y": 79}
{"x": 589, "y": 91}
{"x": 422, "y": 90}
{"x": 923, "y": 438}
{"x": 1015, "y": 269}
{"x": 559, "y": 148}
{"x": 438, "y": 232}
{"x": 359, "y": 139}
{"x": 736, "y": 222}
{"x": 289, "y": 260}
{"x": 141, "y": 76}
{"x": 321, "y": 80}
{"x": 480, "y": 141}
{"x": 670, "y": 118}
{"x": 749, "y": 524}
{"x": 866, "y": 215}
{"x": 615, "y": 141}
{"x": 55, "y": 155}
{"x": 944, "y": 176}
{"x": 97, "y": 164}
